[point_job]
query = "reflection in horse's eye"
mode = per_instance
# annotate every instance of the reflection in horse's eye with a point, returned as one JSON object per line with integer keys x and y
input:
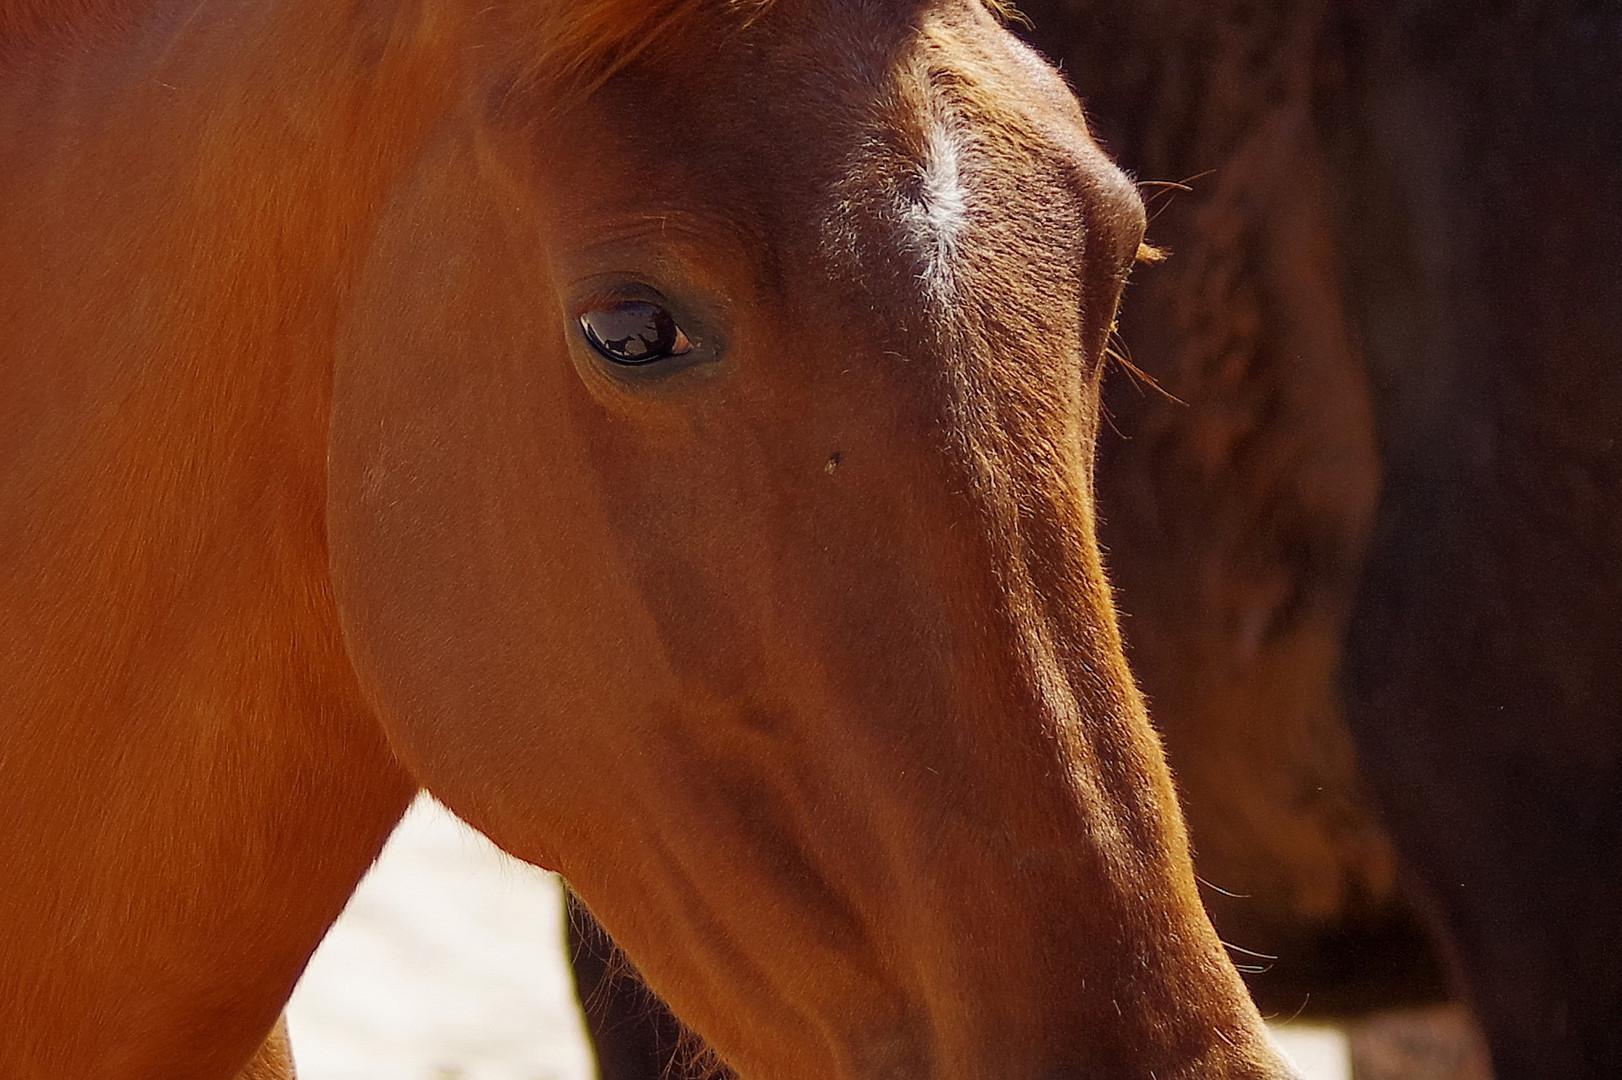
{"x": 634, "y": 332}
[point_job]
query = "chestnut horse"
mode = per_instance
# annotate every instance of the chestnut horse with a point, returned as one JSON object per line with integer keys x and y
{"x": 1368, "y": 541}
{"x": 662, "y": 430}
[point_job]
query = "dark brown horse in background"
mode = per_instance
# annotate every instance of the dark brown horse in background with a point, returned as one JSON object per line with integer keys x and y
{"x": 661, "y": 428}
{"x": 1386, "y": 506}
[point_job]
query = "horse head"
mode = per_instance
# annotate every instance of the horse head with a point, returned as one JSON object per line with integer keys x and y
{"x": 711, "y": 521}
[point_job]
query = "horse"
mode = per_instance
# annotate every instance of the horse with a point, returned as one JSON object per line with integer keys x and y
{"x": 1365, "y": 534}
{"x": 662, "y": 430}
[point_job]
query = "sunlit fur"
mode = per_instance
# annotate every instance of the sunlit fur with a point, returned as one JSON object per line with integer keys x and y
{"x": 582, "y": 44}
{"x": 314, "y": 494}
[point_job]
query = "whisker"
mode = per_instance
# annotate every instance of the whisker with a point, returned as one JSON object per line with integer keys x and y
{"x": 1218, "y": 888}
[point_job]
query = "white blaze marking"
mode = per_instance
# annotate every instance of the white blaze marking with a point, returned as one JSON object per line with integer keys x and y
{"x": 918, "y": 206}
{"x": 937, "y": 218}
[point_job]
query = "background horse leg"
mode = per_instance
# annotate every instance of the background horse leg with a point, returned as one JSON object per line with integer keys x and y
{"x": 274, "y": 1058}
{"x": 635, "y": 1037}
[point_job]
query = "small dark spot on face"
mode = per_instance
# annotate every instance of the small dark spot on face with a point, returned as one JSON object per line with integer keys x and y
{"x": 833, "y": 462}
{"x": 766, "y": 721}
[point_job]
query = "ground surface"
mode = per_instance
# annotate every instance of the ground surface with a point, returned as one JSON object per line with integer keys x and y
{"x": 448, "y": 965}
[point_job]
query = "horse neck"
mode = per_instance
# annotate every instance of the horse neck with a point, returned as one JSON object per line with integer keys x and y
{"x": 191, "y": 778}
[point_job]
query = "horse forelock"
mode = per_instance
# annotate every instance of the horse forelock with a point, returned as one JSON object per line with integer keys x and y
{"x": 584, "y": 43}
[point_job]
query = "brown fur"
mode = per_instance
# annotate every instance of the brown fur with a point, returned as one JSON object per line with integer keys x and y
{"x": 581, "y": 45}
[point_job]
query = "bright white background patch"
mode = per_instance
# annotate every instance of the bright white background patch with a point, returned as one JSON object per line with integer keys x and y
{"x": 447, "y": 965}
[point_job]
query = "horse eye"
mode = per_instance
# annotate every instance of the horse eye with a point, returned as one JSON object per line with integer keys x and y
{"x": 634, "y": 332}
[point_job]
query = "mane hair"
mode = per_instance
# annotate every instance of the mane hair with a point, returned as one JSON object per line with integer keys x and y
{"x": 582, "y": 43}
{"x": 585, "y": 42}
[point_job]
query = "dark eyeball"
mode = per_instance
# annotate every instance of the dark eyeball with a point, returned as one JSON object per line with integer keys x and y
{"x": 634, "y": 333}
